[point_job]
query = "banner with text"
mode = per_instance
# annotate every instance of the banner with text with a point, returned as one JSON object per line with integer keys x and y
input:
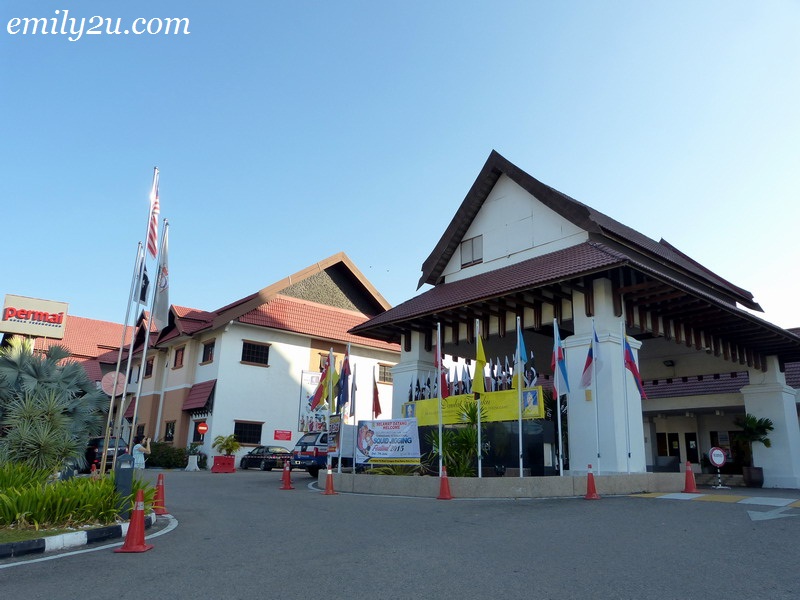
{"x": 391, "y": 442}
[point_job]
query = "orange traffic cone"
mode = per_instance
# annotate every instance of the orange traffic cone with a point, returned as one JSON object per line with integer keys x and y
{"x": 159, "y": 502}
{"x": 689, "y": 486}
{"x": 134, "y": 540}
{"x": 287, "y": 476}
{"x": 591, "y": 491}
{"x": 444, "y": 486}
{"x": 95, "y": 474}
{"x": 329, "y": 491}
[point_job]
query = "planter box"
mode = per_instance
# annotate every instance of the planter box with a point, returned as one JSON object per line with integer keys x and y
{"x": 224, "y": 464}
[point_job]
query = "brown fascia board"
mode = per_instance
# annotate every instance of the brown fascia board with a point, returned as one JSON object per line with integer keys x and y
{"x": 712, "y": 275}
{"x": 237, "y": 309}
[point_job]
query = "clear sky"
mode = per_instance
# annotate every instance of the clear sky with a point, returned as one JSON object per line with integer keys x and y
{"x": 288, "y": 131}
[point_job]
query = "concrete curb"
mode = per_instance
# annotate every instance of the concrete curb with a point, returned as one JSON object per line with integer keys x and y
{"x": 70, "y": 540}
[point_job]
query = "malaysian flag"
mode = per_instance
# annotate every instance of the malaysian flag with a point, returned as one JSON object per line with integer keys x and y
{"x": 155, "y": 209}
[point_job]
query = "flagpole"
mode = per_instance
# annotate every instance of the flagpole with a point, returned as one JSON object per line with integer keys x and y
{"x": 135, "y": 283}
{"x": 519, "y": 393}
{"x": 595, "y": 366}
{"x": 353, "y": 414}
{"x": 331, "y": 365}
{"x": 147, "y": 330}
{"x": 558, "y": 403}
{"x": 439, "y": 362}
{"x": 478, "y": 367}
{"x": 625, "y": 392}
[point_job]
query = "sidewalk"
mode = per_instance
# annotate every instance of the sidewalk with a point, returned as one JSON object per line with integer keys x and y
{"x": 775, "y": 497}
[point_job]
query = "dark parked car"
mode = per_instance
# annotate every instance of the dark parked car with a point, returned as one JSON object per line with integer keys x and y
{"x": 94, "y": 452}
{"x": 265, "y": 458}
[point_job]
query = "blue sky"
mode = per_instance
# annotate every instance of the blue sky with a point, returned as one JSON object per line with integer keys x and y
{"x": 288, "y": 131}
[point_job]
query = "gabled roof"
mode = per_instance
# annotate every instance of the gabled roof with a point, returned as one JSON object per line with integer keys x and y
{"x": 272, "y": 307}
{"x": 245, "y": 305}
{"x": 601, "y": 228}
{"x": 313, "y": 319}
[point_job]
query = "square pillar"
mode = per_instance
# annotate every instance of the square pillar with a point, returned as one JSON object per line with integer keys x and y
{"x": 606, "y": 418}
{"x": 768, "y": 396}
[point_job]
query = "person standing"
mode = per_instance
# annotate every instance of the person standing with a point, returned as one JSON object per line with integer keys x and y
{"x": 141, "y": 448}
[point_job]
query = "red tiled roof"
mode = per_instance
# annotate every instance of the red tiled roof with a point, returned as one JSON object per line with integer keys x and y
{"x": 199, "y": 395}
{"x": 88, "y": 338}
{"x": 539, "y": 271}
{"x": 310, "y": 318}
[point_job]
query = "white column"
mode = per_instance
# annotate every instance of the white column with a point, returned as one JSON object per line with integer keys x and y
{"x": 603, "y": 413}
{"x": 417, "y": 363}
{"x": 767, "y": 395}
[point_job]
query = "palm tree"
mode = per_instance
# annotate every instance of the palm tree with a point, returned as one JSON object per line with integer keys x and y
{"x": 753, "y": 430}
{"x": 49, "y": 407}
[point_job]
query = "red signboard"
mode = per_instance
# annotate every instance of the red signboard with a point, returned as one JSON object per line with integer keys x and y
{"x": 283, "y": 434}
{"x": 202, "y": 428}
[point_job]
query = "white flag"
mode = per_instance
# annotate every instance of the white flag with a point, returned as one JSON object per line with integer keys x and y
{"x": 161, "y": 301}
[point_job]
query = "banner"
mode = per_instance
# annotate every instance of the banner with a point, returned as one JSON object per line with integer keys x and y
{"x": 498, "y": 406}
{"x": 310, "y": 420}
{"x": 391, "y": 442}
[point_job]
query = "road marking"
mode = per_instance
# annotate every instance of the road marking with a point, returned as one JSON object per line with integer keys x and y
{"x": 173, "y": 523}
{"x": 757, "y": 515}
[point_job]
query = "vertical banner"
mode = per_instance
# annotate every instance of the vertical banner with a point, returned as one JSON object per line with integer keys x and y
{"x": 309, "y": 420}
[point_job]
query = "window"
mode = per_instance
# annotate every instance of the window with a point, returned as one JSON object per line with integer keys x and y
{"x": 472, "y": 251}
{"x": 169, "y": 431}
{"x": 133, "y": 376}
{"x": 255, "y": 354}
{"x": 208, "y": 352}
{"x": 247, "y": 432}
{"x": 140, "y": 430}
{"x": 385, "y": 373}
{"x": 196, "y": 435}
{"x": 178, "y": 357}
{"x": 148, "y": 368}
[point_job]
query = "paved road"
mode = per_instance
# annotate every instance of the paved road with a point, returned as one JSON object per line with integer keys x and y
{"x": 241, "y": 537}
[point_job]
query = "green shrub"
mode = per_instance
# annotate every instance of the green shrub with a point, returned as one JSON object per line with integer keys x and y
{"x": 15, "y": 475}
{"x": 167, "y": 456}
{"x": 32, "y": 503}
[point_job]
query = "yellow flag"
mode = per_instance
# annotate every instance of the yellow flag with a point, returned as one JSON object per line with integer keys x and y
{"x": 479, "y": 381}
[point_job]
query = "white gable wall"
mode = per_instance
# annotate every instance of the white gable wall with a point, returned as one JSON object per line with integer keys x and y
{"x": 515, "y": 226}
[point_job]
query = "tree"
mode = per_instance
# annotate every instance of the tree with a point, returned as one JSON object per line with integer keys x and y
{"x": 753, "y": 430}
{"x": 49, "y": 407}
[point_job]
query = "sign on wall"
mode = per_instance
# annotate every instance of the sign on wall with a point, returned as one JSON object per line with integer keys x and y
{"x": 34, "y": 317}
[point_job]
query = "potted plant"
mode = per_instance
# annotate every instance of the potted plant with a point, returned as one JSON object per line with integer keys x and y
{"x": 228, "y": 444}
{"x": 753, "y": 430}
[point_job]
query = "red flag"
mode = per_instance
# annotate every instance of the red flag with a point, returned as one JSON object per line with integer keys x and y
{"x": 376, "y": 401}
{"x": 630, "y": 364}
{"x": 155, "y": 209}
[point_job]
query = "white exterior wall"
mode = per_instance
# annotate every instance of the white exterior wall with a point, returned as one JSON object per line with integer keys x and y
{"x": 271, "y": 394}
{"x": 515, "y": 227}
